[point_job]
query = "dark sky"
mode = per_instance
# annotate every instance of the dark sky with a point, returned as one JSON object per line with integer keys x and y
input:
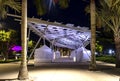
{"x": 74, "y": 14}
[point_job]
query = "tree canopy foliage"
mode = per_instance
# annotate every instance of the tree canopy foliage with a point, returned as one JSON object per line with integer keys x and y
{"x": 7, "y": 39}
{"x": 6, "y": 5}
{"x": 109, "y": 12}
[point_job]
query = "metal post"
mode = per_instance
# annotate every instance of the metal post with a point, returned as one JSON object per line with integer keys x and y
{"x": 28, "y": 37}
{"x": 34, "y": 49}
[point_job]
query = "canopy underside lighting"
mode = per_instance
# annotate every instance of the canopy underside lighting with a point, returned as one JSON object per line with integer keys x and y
{"x": 61, "y": 36}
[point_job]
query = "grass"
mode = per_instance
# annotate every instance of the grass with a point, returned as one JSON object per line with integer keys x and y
{"x": 9, "y": 60}
{"x": 108, "y": 59}
{"x": 104, "y": 58}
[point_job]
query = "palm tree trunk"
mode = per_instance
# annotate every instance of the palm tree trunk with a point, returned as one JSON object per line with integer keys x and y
{"x": 93, "y": 35}
{"x": 6, "y": 52}
{"x": 23, "y": 72}
{"x": 117, "y": 46}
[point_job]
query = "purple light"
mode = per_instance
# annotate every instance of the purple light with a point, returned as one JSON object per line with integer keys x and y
{"x": 16, "y": 48}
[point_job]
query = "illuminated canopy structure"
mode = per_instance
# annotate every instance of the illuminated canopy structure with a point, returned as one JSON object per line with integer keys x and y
{"x": 59, "y": 35}
{"x": 65, "y": 36}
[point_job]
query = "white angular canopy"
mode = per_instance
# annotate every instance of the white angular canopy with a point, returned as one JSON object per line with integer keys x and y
{"x": 61, "y": 35}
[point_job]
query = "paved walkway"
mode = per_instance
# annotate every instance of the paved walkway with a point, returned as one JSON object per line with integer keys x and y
{"x": 62, "y": 72}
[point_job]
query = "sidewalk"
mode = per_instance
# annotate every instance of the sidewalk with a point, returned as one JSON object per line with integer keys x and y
{"x": 62, "y": 72}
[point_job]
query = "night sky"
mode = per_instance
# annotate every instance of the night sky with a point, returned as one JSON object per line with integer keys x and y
{"x": 74, "y": 14}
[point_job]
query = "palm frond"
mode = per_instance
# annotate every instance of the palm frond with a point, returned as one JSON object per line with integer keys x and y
{"x": 64, "y": 3}
{"x": 13, "y": 5}
{"x": 109, "y": 3}
{"x": 110, "y": 13}
{"x": 87, "y": 9}
{"x": 40, "y": 6}
{"x": 116, "y": 2}
{"x": 3, "y": 13}
{"x": 5, "y": 4}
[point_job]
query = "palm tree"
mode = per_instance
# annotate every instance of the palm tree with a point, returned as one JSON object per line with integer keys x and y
{"x": 109, "y": 11}
{"x": 93, "y": 34}
{"x": 23, "y": 72}
{"x": 5, "y": 5}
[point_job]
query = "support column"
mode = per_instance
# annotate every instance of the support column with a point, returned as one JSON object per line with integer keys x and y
{"x": 34, "y": 49}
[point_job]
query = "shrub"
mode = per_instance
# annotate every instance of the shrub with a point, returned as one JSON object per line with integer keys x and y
{"x": 109, "y": 59}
